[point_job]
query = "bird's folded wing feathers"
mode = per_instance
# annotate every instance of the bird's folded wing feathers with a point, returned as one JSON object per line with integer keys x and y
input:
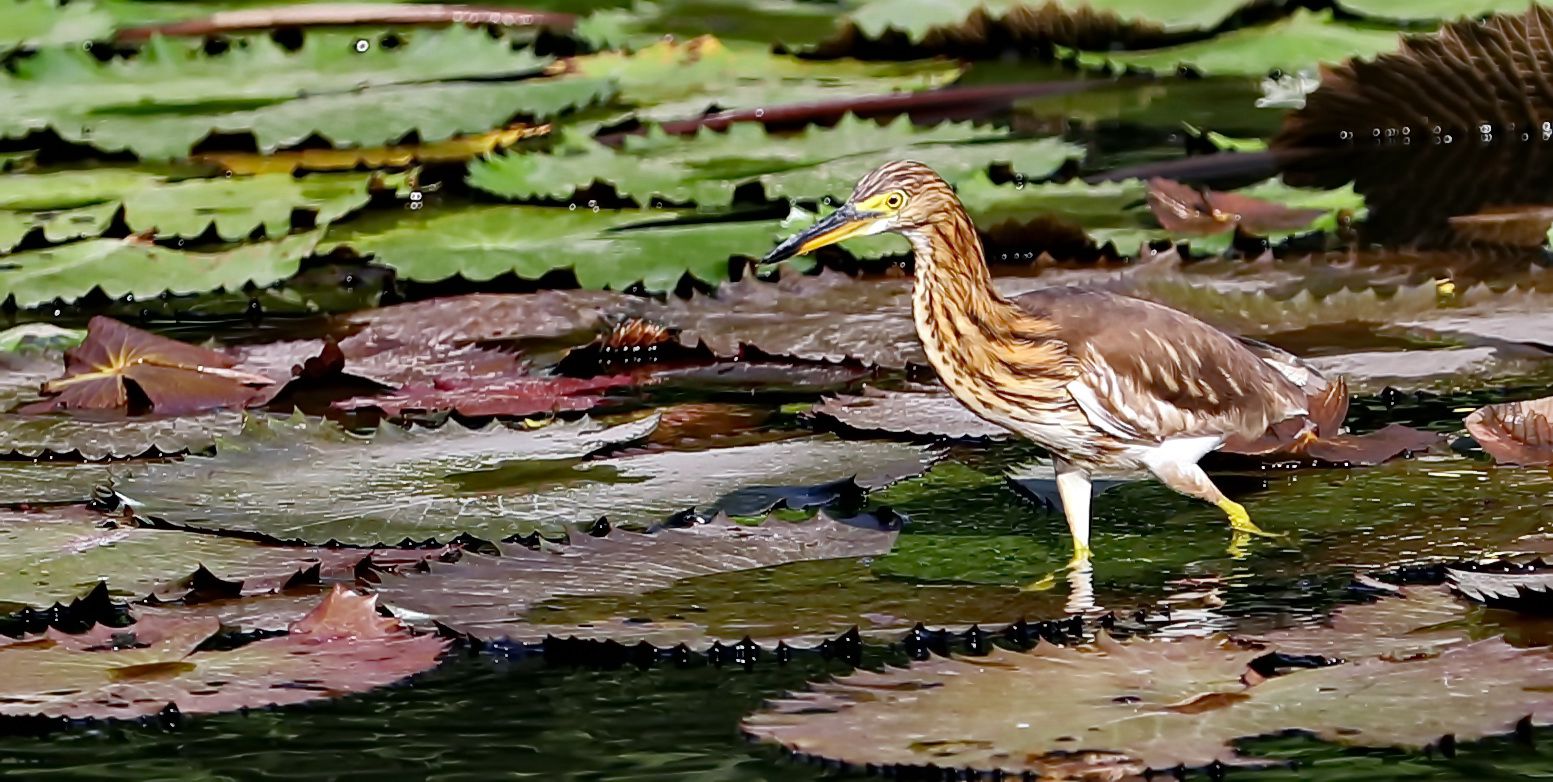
{"x": 1149, "y": 373}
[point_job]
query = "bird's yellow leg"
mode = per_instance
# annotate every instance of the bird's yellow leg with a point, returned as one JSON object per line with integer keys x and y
{"x": 1239, "y": 519}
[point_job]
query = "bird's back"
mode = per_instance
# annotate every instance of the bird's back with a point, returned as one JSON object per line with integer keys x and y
{"x": 1147, "y": 372}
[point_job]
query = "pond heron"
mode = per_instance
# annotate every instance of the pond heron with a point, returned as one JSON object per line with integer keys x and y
{"x": 1104, "y": 382}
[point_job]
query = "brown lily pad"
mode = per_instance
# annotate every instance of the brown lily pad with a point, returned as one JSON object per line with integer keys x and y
{"x": 496, "y": 596}
{"x": 343, "y": 646}
{"x": 1187, "y": 211}
{"x": 512, "y": 397}
{"x": 1325, "y": 441}
{"x": 1409, "y": 622}
{"x": 1515, "y": 432}
{"x": 935, "y": 414}
{"x": 123, "y": 368}
{"x": 1130, "y": 708}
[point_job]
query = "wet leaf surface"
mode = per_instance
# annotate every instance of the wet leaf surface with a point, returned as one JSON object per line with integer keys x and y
{"x": 55, "y": 555}
{"x": 490, "y": 483}
{"x": 503, "y": 596}
{"x": 933, "y": 414}
{"x": 1515, "y": 432}
{"x": 1142, "y": 705}
{"x": 709, "y": 166}
{"x": 342, "y": 646}
{"x": 1299, "y": 42}
{"x": 122, "y": 368}
{"x": 518, "y": 397}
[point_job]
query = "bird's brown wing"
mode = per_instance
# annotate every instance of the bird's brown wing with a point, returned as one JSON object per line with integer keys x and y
{"x": 1148, "y": 373}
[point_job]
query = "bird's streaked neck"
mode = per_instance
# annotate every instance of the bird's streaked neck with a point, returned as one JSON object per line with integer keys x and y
{"x": 951, "y": 270}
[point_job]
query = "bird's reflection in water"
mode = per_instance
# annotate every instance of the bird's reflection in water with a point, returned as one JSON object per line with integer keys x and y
{"x": 1081, "y": 589}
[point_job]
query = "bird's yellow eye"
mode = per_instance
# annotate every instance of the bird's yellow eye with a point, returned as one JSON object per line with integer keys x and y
{"x": 895, "y": 200}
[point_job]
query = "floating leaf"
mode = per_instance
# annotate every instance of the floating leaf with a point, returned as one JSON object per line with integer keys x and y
{"x": 1510, "y": 588}
{"x": 42, "y": 23}
{"x": 456, "y": 149}
{"x": 1409, "y": 622}
{"x": 54, "y": 555}
{"x": 1129, "y": 708}
{"x": 80, "y": 203}
{"x": 1326, "y": 441}
{"x": 164, "y": 101}
{"x": 489, "y": 318}
{"x": 935, "y": 414}
{"x": 1428, "y": 10}
{"x": 346, "y": 15}
{"x": 609, "y": 249}
{"x": 972, "y": 24}
{"x": 1515, "y": 432}
{"x": 1298, "y": 42}
{"x": 341, "y": 647}
{"x": 501, "y": 596}
{"x": 112, "y": 437}
{"x": 502, "y": 397}
{"x": 130, "y": 267}
{"x": 118, "y": 365}
{"x": 415, "y": 483}
{"x": 672, "y": 80}
{"x": 708, "y": 167}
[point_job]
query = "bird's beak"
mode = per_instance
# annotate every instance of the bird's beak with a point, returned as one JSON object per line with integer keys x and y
{"x": 838, "y": 225}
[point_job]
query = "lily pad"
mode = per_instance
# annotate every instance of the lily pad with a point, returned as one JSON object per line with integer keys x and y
{"x": 132, "y": 267}
{"x": 81, "y": 203}
{"x": 502, "y": 596}
{"x": 118, "y": 366}
{"x": 1429, "y": 10}
{"x": 708, "y": 167}
{"x": 1301, "y": 41}
{"x": 513, "y": 397}
{"x": 490, "y": 483}
{"x": 1033, "y": 22}
{"x": 342, "y": 647}
{"x": 54, "y": 555}
{"x": 162, "y": 102}
{"x": 38, "y": 23}
{"x": 608, "y": 249}
{"x": 1409, "y": 622}
{"x": 1148, "y": 705}
{"x": 672, "y": 80}
{"x": 935, "y": 414}
{"x": 1515, "y": 432}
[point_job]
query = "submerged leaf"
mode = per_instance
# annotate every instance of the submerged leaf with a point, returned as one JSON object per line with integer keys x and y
{"x": 1515, "y": 432}
{"x": 1185, "y": 210}
{"x": 494, "y": 597}
{"x": 341, "y": 647}
{"x": 173, "y": 377}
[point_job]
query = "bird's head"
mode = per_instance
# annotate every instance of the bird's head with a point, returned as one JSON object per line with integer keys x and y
{"x": 901, "y": 196}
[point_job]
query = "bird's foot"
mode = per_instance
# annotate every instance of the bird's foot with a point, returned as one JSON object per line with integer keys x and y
{"x": 1240, "y": 520}
{"x": 1079, "y": 562}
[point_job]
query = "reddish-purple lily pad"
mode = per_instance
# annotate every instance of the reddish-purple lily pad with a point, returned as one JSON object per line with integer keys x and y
{"x": 508, "y": 397}
{"x": 1515, "y": 432}
{"x": 343, "y": 646}
{"x": 123, "y": 368}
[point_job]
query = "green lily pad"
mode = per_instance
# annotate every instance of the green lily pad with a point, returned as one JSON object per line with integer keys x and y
{"x": 130, "y": 267}
{"x": 58, "y": 554}
{"x": 503, "y": 596}
{"x": 708, "y": 167}
{"x": 163, "y": 101}
{"x": 673, "y": 80}
{"x": 604, "y": 249}
{"x": 1300, "y": 42}
{"x": 1430, "y": 10}
{"x": 490, "y": 483}
{"x": 39, "y": 23}
{"x": 81, "y": 203}
{"x": 927, "y": 20}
